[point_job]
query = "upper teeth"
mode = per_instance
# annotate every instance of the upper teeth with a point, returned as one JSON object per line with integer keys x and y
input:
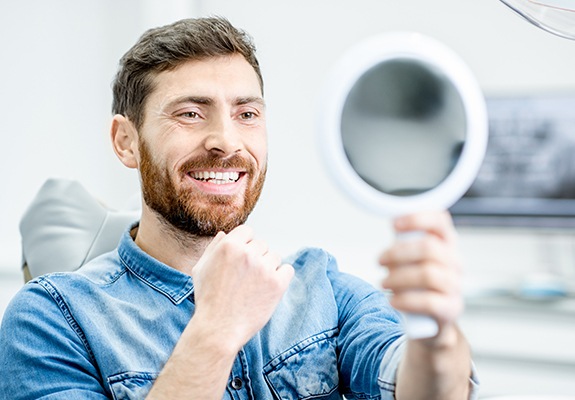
{"x": 219, "y": 177}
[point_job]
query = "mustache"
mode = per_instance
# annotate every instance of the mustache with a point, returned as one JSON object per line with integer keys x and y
{"x": 212, "y": 161}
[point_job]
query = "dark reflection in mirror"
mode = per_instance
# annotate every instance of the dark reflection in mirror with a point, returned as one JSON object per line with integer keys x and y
{"x": 403, "y": 127}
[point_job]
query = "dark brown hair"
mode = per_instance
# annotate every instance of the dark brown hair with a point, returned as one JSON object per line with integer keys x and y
{"x": 165, "y": 48}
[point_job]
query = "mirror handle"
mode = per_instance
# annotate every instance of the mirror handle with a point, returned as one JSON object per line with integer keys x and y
{"x": 419, "y": 326}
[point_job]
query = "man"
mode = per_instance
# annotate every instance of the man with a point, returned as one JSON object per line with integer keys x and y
{"x": 191, "y": 304}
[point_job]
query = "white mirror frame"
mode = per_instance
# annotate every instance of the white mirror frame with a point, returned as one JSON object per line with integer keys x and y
{"x": 357, "y": 61}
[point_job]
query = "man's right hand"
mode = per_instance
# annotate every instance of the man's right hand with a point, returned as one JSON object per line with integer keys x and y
{"x": 238, "y": 283}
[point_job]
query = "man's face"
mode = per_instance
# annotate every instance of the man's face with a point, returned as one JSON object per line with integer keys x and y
{"x": 202, "y": 145}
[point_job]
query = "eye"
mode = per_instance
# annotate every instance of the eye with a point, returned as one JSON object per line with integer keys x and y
{"x": 247, "y": 115}
{"x": 189, "y": 114}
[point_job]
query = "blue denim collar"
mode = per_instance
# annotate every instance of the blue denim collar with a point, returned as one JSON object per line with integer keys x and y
{"x": 172, "y": 283}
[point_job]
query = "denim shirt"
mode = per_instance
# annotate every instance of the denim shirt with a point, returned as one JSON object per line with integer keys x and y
{"x": 106, "y": 330}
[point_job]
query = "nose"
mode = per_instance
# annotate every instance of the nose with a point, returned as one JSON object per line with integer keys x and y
{"x": 223, "y": 137}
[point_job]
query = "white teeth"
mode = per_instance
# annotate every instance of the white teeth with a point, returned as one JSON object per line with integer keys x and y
{"x": 217, "y": 177}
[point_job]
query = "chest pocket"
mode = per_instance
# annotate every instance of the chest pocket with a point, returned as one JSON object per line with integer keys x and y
{"x": 307, "y": 370}
{"x": 131, "y": 385}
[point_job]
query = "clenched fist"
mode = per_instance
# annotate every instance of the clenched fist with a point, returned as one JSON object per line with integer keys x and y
{"x": 238, "y": 282}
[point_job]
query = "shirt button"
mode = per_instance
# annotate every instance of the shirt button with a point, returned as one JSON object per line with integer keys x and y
{"x": 237, "y": 383}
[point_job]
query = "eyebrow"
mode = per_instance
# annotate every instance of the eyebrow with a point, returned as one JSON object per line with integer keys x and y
{"x": 191, "y": 99}
{"x": 240, "y": 101}
{"x": 208, "y": 101}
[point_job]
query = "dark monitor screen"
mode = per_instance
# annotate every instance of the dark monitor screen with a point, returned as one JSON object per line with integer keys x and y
{"x": 527, "y": 178}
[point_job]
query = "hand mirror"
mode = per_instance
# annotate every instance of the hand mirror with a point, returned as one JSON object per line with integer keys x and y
{"x": 403, "y": 128}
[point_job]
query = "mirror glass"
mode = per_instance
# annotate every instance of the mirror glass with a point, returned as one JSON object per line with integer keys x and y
{"x": 403, "y": 127}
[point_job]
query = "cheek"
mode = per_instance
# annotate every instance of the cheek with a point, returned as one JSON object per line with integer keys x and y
{"x": 262, "y": 160}
{"x": 258, "y": 148}
{"x": 170, "y": 154}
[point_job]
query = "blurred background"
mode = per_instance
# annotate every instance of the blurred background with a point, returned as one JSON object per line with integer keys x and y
{"x": 517, "y": 227}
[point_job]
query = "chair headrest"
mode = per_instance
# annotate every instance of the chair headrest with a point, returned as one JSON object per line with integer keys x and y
{"x": 65, "y": 226}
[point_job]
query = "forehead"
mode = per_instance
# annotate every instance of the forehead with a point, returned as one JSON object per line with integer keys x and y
{"x": 217, "y": 77}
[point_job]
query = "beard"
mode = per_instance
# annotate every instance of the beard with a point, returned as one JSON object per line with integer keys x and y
{"x": 194, "y": 212}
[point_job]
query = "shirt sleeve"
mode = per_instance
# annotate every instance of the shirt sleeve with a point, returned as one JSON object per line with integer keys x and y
{"x": 43, "y": 350}
{"x": 368, "y": 331}
{"x": 371, "y": 341}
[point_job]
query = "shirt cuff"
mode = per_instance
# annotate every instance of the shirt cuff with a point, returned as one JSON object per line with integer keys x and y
{"x": 473, "y": 383}
{"x": 390, "y": 363}
{"x": 388, "y": 368}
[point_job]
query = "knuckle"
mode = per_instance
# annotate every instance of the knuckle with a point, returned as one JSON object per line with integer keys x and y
{"x": 430, "y": 246}
{"x": 228, "y": 247}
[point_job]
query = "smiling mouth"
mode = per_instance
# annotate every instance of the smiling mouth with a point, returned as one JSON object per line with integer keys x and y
{"x": 218, "y": 178}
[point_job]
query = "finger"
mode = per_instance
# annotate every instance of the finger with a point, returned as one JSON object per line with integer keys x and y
{"x": 440, "y": 307}
{"x": 438, "y": 223}
{"x": 285, "y": 273}
{"x": 272, "y": 260}
{"x": 241, "y": 233}
{"x": 258, "y": 247}
{"x": 427, "y": 249}
{"x": 430, "y": 277}
{"x": 217, "y": 239}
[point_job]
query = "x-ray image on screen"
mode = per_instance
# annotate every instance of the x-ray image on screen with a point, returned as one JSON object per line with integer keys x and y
{"x": 528, "y": 174}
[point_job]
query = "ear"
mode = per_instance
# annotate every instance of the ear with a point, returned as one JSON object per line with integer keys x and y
{"x": 125, "y": 140}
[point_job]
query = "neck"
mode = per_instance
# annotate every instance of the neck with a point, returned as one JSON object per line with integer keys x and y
{"x": 167, "y": 244}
